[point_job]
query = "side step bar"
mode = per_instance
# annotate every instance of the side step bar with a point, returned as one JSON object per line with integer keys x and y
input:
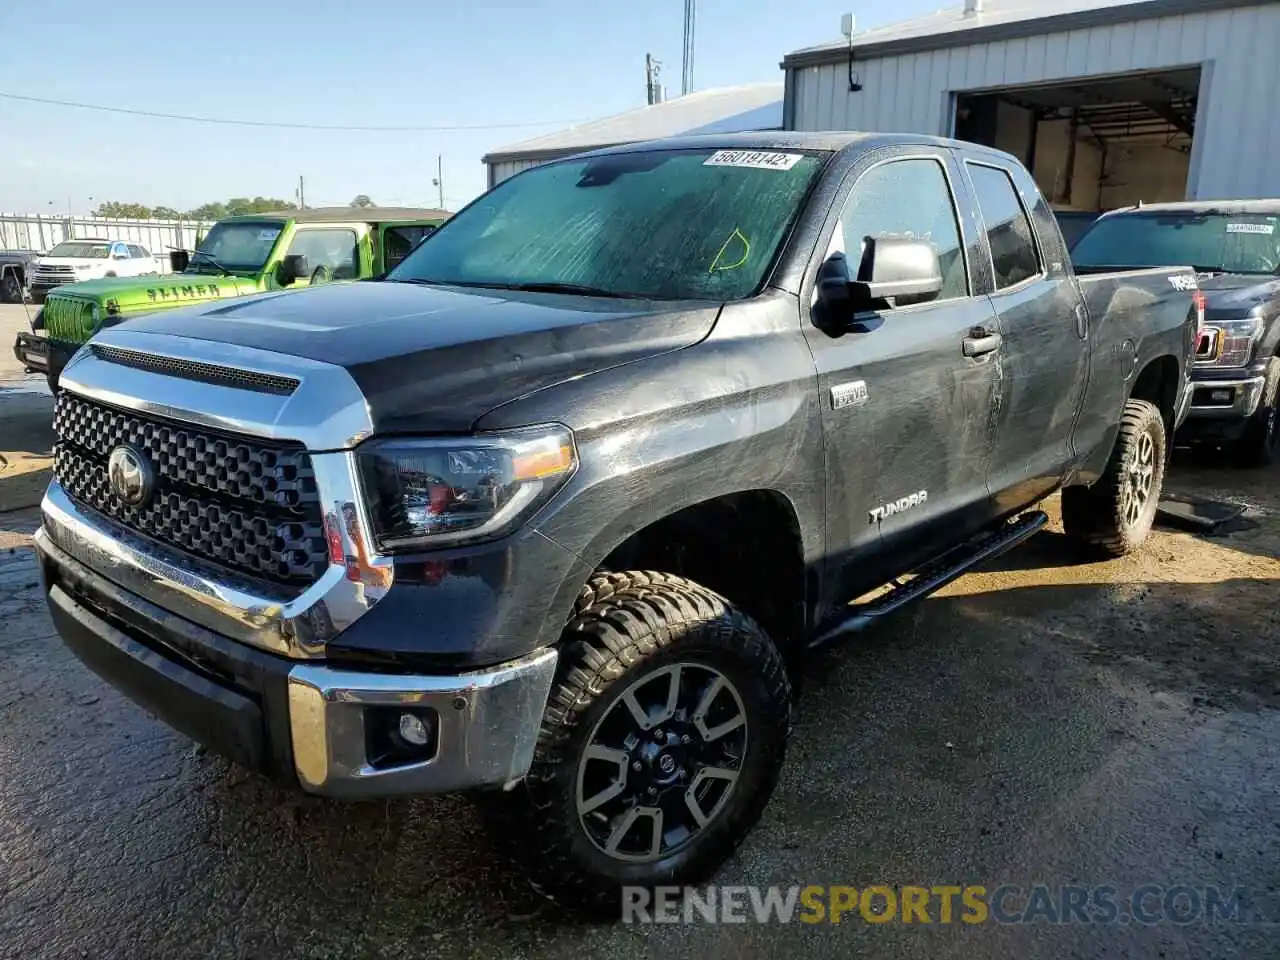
{"x": 932, "y": 577}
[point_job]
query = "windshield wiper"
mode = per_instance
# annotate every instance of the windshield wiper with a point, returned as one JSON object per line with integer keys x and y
{"x": 549, "y": 286}
{"x": 209, "y": 257}
{"x": 552, "y": 286}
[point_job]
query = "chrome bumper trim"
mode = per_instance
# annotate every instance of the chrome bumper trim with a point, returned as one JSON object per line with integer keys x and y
{"x": 488, "y": 724}
{"x": 296, "y": 625}
{"x": 1248, "y": 394}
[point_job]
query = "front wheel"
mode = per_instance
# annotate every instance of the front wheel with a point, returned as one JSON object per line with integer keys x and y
{"x": 10, "y": 287}
{"x": 1260, "y": 445}
{"x": 1115, "y": 515}
{"x": 662, "y": 742}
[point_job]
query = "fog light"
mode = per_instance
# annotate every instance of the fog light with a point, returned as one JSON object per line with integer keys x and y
{"x": 1221, "y": 396}
{"x": 399, "y": 735}
{"x": 413, "y": 730}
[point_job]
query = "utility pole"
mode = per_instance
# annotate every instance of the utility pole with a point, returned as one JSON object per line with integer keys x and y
{"x": 690, "y": 22}
{"x": 439, "y": 180}
{"x": 302, "y": 196}
{"x": 652, "y": 83}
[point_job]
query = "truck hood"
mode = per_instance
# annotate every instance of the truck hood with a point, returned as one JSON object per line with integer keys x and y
{"x": 1237, "y": 295}
{"x": 436, "y": 359}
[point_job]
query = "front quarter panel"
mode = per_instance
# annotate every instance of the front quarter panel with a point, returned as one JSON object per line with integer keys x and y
{"x": 737, "y": 412}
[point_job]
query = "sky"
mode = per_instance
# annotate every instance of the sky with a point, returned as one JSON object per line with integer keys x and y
{"x": 511, "y": 70}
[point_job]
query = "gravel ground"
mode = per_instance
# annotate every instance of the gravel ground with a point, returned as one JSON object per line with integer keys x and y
{"x": 1046, "y": 720}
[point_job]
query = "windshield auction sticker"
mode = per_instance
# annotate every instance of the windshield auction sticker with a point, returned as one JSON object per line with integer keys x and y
{"x": 753, "y": 159}
{"x": 1266, "y": 229}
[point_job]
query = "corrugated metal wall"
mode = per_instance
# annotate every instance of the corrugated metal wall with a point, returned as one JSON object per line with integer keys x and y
{"x": 1237, "y": 132}
{"x": 505, "y": 169}
{"x": 38, "y": 233}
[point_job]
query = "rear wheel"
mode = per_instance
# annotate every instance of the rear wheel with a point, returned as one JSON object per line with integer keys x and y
{"x": 662, "y": 742}
{"x": 1260, "y": 445}
{"x": 1115, "y": 515}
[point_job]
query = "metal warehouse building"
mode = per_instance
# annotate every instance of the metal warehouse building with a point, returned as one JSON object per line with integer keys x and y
{"x": 1108, "y": 101}
{"x": 753, "y": 106}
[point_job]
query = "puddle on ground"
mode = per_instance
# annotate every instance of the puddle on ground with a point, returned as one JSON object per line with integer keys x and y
{"x": 29, "y": 386}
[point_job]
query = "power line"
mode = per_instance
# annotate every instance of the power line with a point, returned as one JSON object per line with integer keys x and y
{"x": 226, "y": 121}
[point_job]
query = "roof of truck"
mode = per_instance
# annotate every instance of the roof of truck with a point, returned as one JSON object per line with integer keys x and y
{"x": 1264, "y": 207}
{"x": 349, "y": 214}
{"x": 787, "y": 140}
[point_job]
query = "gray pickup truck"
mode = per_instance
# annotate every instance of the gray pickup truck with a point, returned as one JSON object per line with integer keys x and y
{"x": 553, "y": 512}
{"x": 1234, "y": 246}
{"x": 15, "y": 274}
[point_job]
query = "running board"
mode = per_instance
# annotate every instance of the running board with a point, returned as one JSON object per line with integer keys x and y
{"x": 933, "y": 576}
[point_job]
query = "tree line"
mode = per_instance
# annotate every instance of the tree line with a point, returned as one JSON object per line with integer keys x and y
{"x": 234, "y": 207}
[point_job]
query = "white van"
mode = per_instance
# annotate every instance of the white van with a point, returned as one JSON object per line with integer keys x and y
{"x": 88, "y": 259}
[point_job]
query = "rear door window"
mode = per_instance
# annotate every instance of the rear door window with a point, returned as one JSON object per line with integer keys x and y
{"x": 138, "y": 252}
{"x": 1013, "y": 246}
{"x": 397, "y": 242}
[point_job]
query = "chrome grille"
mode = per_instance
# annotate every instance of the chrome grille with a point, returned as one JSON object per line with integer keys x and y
{"x": 57, "y": 274}
{"x": 249, "y": 505}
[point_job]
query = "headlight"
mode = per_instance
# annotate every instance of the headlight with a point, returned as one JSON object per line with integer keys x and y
{"x": 95, "y": 315}
{"x": 1238, "y": 338}
{"x": 444, "y": 491}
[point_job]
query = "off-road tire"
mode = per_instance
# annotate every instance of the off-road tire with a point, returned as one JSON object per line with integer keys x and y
{"x": 626, "y": 626}
{"x": 1260, "y": 445}
{"x": 52, "y": 380}
{"x": 1100, "y": 515}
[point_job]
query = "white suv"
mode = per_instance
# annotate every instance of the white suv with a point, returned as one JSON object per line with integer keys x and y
{"x": 88, "y": 259}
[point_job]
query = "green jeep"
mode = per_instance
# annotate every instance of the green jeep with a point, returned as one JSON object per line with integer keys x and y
{"x": 254, "y": 253}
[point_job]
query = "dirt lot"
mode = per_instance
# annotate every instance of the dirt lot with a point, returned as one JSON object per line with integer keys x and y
{"x": 1047, "y": 720}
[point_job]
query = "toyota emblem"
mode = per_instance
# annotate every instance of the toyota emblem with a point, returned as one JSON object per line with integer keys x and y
{"x": 130, "y": 476}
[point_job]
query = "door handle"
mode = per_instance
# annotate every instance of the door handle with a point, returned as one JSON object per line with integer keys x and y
{"x": 981, "y": 343}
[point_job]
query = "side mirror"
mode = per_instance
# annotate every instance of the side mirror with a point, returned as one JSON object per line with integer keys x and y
{"x": 896, "y": 270}
{"x": 179, "y": 260}
{"x": 292, "y": 269}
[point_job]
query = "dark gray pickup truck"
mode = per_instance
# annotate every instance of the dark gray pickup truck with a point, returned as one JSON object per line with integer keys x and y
{"x": 1235, "y": 249}
{"x": 553, "y": 511}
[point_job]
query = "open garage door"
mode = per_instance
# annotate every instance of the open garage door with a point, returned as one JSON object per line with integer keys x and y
{"x": 1093, "y": 144}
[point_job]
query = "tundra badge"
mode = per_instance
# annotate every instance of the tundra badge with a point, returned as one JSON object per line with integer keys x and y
{"x": 888, "y": 510}
{"x": 849, "y": 394}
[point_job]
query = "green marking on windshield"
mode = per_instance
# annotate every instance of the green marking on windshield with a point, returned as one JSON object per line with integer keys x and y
{"x": 717, "y": 267}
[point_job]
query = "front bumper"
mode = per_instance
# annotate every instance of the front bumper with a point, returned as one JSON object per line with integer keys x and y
{"x": 305, "y": 724}
{"x": 1226, "y": 399}
{"x": 35, "y": 352}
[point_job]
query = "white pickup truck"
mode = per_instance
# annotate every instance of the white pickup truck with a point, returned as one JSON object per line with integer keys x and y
{"x": 88, "y": 259}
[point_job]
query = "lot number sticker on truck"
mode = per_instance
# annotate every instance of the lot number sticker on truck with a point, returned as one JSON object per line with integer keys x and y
{"x": 1266, "y": 229}
{"x": 753, "y": 159}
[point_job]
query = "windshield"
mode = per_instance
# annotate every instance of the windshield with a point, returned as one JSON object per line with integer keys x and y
{"x": 81, "y": 250}
{"x": 1212, "y": 243}
{"x": 241, "y": 247}
{"x": 666, "y": 225}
